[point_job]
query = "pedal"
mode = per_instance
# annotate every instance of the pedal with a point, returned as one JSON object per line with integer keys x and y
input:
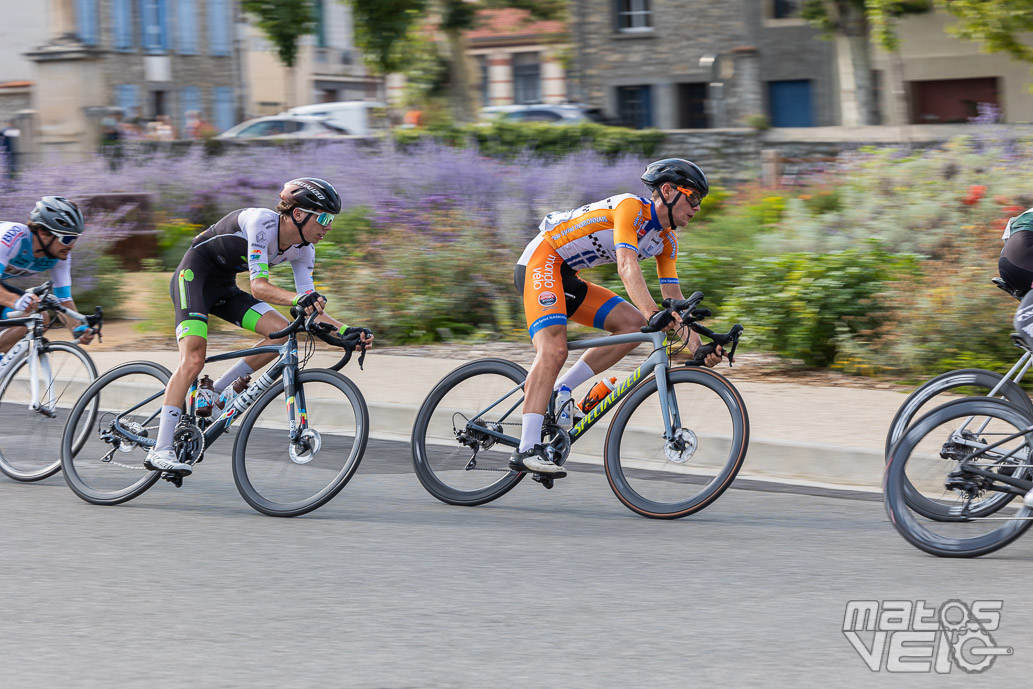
{"x": 173, "y": 478}
{"x": 547, "y": 481}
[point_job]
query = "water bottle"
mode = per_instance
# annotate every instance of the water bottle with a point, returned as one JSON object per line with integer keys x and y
{"x": 238, "y": 386}
{"x": 564, "y": 408}
{"x": 597, "y": 394}
{"x": 205, "y": 398}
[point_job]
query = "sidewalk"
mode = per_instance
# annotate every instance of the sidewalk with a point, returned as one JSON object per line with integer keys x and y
{"x": 798, "y": 433}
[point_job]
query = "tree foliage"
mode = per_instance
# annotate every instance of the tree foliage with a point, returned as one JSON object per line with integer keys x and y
{"x": 284, "y": 22}
{"x": 995, "y": 24}
{"x": 880, "y": 15}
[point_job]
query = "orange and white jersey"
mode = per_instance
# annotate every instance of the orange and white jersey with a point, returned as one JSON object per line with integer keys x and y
{"x": 589, "y": 235}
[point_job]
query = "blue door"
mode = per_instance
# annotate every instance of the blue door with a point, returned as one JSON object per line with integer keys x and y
{"x": 790, "y": 103}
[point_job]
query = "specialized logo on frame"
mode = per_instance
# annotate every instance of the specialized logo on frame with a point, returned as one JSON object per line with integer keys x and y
{"x": 915, "y": 636}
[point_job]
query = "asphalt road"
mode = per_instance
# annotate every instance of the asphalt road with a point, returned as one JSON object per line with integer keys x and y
{"x": 387, "y": 588}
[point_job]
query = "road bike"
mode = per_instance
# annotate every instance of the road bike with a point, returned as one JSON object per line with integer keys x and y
{"x": 952, "y": 477}
{"x": 677, "y": 441}
{"x": 972, "y": 382}
{"x": 284, "y": 465}
{"x": 39, "y": 383}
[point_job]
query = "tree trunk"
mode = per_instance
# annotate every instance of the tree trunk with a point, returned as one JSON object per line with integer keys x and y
{"x": 290, "y": 93}
{"x": 460, "y": 88}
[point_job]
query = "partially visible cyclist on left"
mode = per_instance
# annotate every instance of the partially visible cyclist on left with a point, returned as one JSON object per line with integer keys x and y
{"x": 45, "y": 243}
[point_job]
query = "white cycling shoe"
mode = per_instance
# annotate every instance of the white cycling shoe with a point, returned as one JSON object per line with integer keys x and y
{"x": 165, "y": 460}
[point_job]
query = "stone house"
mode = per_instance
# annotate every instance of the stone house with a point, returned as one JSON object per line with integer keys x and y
{"x": 145, "y": 58}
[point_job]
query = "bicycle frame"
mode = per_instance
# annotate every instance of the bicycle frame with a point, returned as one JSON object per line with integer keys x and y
{"x": 286, "y": 364}
{"x": 657, "y": 362}
{"x": 31, "y": 340}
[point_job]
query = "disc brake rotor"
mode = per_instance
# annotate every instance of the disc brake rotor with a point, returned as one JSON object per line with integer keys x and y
{"x": 681, "y": 447}
{"x": 307, "y": 447}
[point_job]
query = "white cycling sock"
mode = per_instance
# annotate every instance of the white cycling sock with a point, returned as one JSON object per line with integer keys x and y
{"x": 167, "y": 426}
{"x": 578, "y": 374}
{"x": 236, "y": 371}
{"x": 531, "y": 431}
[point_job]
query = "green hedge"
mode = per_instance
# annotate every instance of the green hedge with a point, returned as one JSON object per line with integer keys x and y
{"x": 508, "y": 139}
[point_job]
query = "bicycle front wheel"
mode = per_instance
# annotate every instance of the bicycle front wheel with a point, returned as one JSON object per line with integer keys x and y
{"x": 455, "y": 459}
{"x": 285, "y": 479}
{"x": 666, "y": 475}
{"x": 102, "y": 464}
{"x": 929, "y": 459}
{"x": 33, "y": 426}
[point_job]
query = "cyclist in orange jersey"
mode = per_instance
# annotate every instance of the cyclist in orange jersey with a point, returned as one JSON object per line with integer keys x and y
{"x": 622, "y": 229}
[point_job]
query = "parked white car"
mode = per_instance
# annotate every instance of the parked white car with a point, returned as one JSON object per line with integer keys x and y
{"x": 283, "y": 127}
{"x": 357, "y": 117}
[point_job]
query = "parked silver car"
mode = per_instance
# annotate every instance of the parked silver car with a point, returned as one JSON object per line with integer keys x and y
{"x": 541, "y": 112}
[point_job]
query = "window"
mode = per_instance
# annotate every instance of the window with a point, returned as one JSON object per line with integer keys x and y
{"x": 218, "y": 27}
{"x": 186, "y": 27}
{"x": 127, "y": 98}
{"x": 122, "y": 24}
{"x": 527, "y": 80}
{"x": 153, "y": 26}
{"x": 86, "y": 13}
{"x": 222, "y": 107}
{"x": 785, "y": 9}
{"x": 634, "y": 15}
{"x": 692, "y": 106}
{"x": 320, "y": 24}
{"x": 635, "y": 106}
{"x": 485, "y": 85}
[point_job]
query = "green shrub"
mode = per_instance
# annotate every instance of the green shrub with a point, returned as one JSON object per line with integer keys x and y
{"x": 174, "y": 239}
{"x": 796, "y": 304}
{"x": 107, "y": 290}
{"x": 505, "y": 139}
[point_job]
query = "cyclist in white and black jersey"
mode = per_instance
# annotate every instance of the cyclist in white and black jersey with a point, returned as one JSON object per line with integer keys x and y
{"x": 251, "y": 240}
{"x": 45, "y": 243}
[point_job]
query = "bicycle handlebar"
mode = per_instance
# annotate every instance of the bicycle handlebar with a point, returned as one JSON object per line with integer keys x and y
{"x": 690, "y": 316}
{"x": 325, "y": 333}
{"x": 48, "y": 302}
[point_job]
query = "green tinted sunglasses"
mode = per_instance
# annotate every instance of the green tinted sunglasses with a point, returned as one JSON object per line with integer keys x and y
{"x": 323, "y": 219}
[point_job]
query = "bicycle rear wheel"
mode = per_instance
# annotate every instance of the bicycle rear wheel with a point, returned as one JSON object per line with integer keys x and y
{"x": 670, "y": 477}
{"x": 31, "y": 448}
{"x": 282, "y": 479}
{"x": 478, "y": 396}
{"x": 928, "y": 459}
{"x": 101, "y": 464}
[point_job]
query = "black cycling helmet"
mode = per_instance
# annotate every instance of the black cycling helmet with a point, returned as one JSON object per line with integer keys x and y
{"x": 59, "y": 216}
{"x": 680, "y": 173}
{"x": 677, "y": 171}
{"x": 312, "y": 193}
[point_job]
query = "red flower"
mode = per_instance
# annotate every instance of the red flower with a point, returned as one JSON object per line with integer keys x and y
{"x": 975, "y": 193}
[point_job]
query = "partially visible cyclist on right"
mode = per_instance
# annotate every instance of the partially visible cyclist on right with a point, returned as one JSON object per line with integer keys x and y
{"x": 1016, "y": 262}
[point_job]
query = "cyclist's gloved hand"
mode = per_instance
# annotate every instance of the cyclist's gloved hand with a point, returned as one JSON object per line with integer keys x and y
{"x": 309, "y": 300}
{"x": 709, "y": 354}
{"x": 660, "y": 320}
{"x": 80, "y": 330}
{"x": 26, "y": 302}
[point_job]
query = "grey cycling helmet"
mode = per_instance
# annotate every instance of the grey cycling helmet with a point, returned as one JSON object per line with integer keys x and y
{"x": 59, "y": 216}
{"x": 312, "y": 193}
{"x": 677, "y": 171}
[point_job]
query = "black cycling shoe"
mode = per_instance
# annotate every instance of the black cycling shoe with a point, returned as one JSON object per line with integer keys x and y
{"x": 535, "y": 461}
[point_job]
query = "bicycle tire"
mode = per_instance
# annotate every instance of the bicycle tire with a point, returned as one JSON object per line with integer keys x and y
{"x": 434, "y": 456}
{"x": 245, "y": 479}
{"x": 40, "y": 424}
{"x": 900, "y": 513}
{"x": 730, "y": 441}
{"x": 88, "y": 488}
{"x": 912, "y": 407}
{"x": 923, "y": 400}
